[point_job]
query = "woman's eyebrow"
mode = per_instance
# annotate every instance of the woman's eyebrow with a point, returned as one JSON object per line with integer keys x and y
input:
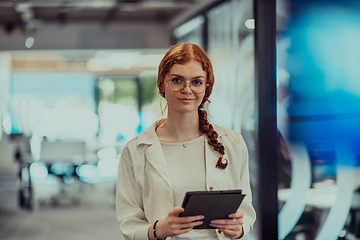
{"x": 175, "y": 75}
{"x": 199, "y": 77}
{"x": 179, "y": 76}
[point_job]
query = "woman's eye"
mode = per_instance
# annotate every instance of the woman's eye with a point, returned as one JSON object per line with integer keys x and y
{"x": 176, "y": 80}
{"x": 197, "y": 82}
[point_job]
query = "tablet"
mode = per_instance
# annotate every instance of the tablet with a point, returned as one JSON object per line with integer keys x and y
{"x": 212, "y": 205}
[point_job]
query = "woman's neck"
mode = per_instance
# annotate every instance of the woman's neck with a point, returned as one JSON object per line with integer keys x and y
{"x": 183, "y": 127}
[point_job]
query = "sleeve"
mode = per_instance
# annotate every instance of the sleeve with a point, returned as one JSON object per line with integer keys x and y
{"x": 129, "y": 207}
{"x": 246, "y": 207}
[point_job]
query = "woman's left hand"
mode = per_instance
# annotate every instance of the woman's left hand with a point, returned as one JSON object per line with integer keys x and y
{"x": 232, "y": 228}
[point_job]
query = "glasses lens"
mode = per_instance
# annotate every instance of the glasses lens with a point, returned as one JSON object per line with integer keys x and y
{"x": 198, "y": 86}
{"x": 176, "y": 85}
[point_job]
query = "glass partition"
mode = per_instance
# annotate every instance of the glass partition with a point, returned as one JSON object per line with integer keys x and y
{"x": 226, "y": 32}
{"x": 127, "y": 105}
{"x": 318, "y": 119}
{"x": 118, "y": 109}
{"x": 192, "y": 31}
{"x": 231, "y": 49}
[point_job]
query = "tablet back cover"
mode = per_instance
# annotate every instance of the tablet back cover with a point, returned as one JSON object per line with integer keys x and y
{"x": 213, "y": 205}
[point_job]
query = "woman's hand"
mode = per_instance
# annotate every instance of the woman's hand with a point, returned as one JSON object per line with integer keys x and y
{"x": 174, "y": 225}
{"x": 232, "y": 228}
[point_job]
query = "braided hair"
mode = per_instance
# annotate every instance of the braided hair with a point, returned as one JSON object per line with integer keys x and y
{"x": 182, "y": 53}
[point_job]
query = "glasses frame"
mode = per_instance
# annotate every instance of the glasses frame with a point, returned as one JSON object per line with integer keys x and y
{"x": 185, "y": 84}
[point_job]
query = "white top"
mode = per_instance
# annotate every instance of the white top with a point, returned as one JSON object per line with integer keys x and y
{"x": 186, "y": 167}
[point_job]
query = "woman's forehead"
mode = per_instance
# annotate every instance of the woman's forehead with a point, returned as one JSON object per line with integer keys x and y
{"x": 189, "y": 69}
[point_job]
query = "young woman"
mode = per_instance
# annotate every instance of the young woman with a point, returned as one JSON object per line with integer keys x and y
{"x": 181, "y": 153}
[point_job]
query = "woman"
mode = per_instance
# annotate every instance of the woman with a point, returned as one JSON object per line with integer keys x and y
{"x": 182, "y": 153}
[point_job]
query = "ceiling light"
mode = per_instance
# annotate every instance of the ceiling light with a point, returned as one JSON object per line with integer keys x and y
{"x": 29, "y": 42}
{"x": 250, "y": 23}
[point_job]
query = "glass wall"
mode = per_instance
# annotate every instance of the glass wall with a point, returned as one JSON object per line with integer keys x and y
{"x": 192, "y": 31}
{"x": 231, "y": 49}
{"x": 118, "y": 109}
{"x": 55, "y": 106}
{"x": 318, "y": 107}
{"x": 69, "y": 122}
{"x": 318, "y": 119}
{"x": 127, "y": 105}
{"x": 226, "y": 33}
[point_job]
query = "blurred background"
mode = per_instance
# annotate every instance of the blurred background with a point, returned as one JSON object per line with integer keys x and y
{"x": 78, "y": 80}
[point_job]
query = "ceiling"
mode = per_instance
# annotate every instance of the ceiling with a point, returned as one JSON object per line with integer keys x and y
{"x": 30, "y": 15}
{"x": 91, "y": 35}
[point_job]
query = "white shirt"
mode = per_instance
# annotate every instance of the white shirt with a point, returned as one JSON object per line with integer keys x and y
{"x": 186, "y": 167}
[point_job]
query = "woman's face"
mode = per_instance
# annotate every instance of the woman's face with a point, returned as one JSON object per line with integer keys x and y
{"x": 186, "y": 100}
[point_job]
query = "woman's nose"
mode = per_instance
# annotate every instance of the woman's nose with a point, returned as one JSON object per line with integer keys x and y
{"x": 187, "y": 87}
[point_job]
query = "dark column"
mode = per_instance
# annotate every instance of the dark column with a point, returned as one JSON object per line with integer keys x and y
{"x": 265, "y": 117}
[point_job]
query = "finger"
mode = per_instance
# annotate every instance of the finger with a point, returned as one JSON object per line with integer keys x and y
{"x": 226, "y": 226}
{"x": 238, "y": 214}
{"x": 233, "y": 221}
{"x": 190, "y": 224}
{"x": 182, "y": 231}
{"x": 190, "y": 219}
{"x": 231, "y": 233}
{"x": 235, "y": 218}
{"x": 236, "y": 231}
{"x": 176, "y": 211}
{"x": 234, "y": 227}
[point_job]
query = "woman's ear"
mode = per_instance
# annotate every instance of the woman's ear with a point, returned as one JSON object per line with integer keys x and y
{"x": 162, "y": 90}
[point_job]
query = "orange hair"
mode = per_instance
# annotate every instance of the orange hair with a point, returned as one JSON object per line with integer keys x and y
{"x": 182, "y": 53}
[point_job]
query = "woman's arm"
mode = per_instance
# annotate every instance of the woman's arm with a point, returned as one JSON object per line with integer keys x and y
{"x": 129, "y": 205}
{"x": 130, "y": 209}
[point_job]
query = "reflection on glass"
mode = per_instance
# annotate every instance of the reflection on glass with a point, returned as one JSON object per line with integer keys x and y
{"x": 319, "y": 114}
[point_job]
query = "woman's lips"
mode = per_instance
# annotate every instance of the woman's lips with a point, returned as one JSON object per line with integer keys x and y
{"x": 186, "y": 100}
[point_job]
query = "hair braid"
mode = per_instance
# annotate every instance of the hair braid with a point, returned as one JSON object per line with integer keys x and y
{"x": 212, "y": 135}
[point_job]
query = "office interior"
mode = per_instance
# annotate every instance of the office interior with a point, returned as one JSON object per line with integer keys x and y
{"x": 78, "y": 80}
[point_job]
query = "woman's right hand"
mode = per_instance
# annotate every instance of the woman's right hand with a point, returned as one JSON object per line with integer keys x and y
{"x": 174, "y": 225}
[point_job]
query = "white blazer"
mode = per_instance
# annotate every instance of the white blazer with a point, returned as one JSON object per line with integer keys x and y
{"x": 144, "y": 193}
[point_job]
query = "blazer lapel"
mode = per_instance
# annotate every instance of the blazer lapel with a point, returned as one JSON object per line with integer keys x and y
{"x": 154, "y": 153}
{"x": 155, "y": 156}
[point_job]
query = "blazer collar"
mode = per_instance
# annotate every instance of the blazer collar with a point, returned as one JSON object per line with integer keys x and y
{"x": 149, "y": 136}
{"x": 156, "y": 157}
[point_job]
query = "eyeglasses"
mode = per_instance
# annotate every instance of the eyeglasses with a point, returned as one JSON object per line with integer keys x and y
{"x": 196, "y": 85}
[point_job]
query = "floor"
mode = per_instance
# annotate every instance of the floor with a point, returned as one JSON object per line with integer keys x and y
{"x": 92, "y": 218}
